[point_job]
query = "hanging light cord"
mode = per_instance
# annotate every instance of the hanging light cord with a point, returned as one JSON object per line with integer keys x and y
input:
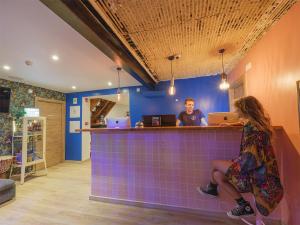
{"x": 118, "y": 81}
{"x": 223, "y": 62}
{"x": 172, "y": 69}
{"x": 223, "y": 75}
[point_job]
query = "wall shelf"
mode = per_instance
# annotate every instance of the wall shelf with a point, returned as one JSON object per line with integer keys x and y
{"x": 32, "y": 150}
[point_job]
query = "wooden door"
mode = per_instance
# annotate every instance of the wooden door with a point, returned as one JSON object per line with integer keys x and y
{"x": 54, "y": 111}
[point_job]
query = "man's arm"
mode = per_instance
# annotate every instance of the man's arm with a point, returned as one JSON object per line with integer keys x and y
{"x": 202, "y": 118}
{"x": 179, "y": 119}
{"x": 203, "y": 121}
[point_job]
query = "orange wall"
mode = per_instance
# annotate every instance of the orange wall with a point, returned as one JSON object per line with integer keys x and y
{"x": 275, "y": 69}
{"x": 272, "y": 79}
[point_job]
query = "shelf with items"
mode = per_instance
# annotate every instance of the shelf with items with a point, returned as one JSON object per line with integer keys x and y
{"x": 28, "y": 135}
{"x": 29, "y": 146}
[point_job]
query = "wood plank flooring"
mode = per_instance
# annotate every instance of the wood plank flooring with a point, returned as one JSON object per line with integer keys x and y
{"x": 61, "y": 198}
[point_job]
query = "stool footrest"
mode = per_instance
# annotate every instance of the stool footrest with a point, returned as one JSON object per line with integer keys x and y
{"x": 258, "y": 222}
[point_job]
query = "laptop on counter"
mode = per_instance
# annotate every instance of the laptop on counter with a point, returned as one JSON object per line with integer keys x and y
{"x": 120, "y": 122}
{"x": 216, "y": 118}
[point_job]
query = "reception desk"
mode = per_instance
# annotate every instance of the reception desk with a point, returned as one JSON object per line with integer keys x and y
{"x": 160, "y": 167}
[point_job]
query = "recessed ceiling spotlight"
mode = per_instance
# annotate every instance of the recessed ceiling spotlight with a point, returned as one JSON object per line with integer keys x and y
{"x": 55, "y": 57}
{"x": 6, "y": 67}
{"x": 109, "y": 83}
{"x": 74, "y": 87}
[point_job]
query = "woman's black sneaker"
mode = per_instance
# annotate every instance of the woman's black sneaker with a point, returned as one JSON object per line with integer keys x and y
{"x": 208, "y": 190}
{"x": 241, "y": 211}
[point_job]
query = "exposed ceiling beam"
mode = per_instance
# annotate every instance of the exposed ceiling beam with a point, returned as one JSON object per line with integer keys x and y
{"x": 80, "y": 15}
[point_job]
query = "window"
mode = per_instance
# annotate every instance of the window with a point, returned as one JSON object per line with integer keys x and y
{"x": 236, "y": 91}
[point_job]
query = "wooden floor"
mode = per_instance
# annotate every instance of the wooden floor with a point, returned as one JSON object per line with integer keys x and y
{"x": 62, "y": 198}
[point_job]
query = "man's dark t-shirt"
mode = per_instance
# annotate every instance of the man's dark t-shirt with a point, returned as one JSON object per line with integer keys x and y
{"x": 193, "y": 119}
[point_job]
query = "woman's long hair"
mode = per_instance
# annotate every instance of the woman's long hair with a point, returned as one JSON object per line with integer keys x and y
{"x": 253, "y": 110}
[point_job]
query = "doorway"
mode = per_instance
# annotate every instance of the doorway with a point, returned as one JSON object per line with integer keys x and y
{"x": 54, "y": 111}
{"x": 96, "y": 109}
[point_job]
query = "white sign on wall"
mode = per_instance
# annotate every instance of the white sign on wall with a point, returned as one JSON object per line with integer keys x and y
{"x": 32, "y": 112}
{"x": 74, "y": 125}
{"x": 74, "y": 101}
{"x": 74, "y": 111}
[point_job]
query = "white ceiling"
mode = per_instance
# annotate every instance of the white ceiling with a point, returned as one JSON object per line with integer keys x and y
{"x": 30, "y": 31}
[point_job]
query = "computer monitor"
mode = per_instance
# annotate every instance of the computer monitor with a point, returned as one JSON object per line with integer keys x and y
{"x": 152, "y": 120}
{"x": 167, "y": 120}
{"x": 120, "y": 122}
{"x": 216, "y": 118}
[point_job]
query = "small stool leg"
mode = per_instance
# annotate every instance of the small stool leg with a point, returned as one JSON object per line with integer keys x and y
{"x": 10, "y": 172}
{"x": 246, "y": 222}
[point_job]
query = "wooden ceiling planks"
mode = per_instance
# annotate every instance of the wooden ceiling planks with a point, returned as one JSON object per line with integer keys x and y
{"x": 155, "y": 29}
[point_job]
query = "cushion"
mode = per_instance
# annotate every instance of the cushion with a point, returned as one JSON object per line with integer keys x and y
{"x": 7, "y": 190}
{"x": 6, "y": 184}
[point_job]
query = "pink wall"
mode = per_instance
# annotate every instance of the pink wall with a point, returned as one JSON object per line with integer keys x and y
{"x": 272, "y": 79}
{"x": 275, "y": 69}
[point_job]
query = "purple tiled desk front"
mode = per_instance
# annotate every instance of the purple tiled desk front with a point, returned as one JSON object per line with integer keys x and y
{"x": 159, "y": 166}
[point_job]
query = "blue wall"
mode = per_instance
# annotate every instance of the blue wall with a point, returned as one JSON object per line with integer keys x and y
{"x": 205, "y": 90}
{"x": 73, "y": 140}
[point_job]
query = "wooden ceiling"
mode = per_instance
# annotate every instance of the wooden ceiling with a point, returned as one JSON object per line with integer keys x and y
{"x": 196, "y": 29}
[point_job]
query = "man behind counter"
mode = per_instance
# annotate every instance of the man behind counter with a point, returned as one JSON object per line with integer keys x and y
{"x": 191, "y": 117}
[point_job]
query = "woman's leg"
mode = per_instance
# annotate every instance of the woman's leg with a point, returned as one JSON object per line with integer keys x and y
{"x": 219, "y": 168}
{"x": 227, "y": 187}
{"x": 219, "y": 165}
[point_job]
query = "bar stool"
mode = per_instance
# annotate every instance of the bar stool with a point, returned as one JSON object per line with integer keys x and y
{"x": 258, "y": 218}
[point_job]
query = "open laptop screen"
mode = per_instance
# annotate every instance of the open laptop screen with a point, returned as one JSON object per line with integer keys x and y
{"x": 120, "y": 122}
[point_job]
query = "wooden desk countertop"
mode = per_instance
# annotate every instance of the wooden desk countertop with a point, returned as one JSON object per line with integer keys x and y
{"x": 183, "y": 128}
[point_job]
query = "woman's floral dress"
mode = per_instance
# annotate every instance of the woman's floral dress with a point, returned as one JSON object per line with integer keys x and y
{"x": 256, "y": 170}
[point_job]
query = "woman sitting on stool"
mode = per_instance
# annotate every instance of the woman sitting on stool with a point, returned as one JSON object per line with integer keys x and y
{"x": 255, "y": 170}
